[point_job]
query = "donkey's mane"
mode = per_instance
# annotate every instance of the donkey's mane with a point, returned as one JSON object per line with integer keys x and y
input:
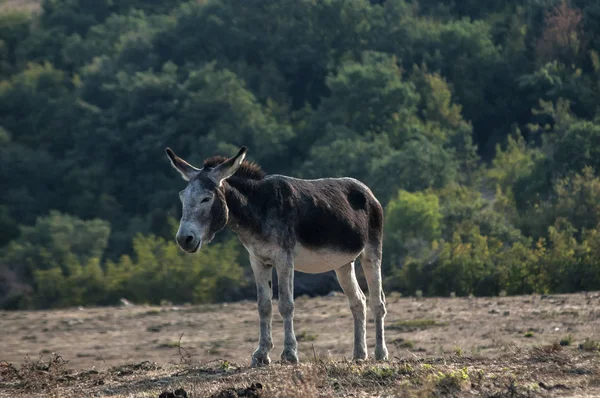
{"x": 247, "y": 169}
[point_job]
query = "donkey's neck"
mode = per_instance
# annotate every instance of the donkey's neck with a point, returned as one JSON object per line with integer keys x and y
{"x": 243, "y": 213}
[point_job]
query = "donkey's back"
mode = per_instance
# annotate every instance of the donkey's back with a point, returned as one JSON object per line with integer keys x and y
{"x": 332, "y": 220}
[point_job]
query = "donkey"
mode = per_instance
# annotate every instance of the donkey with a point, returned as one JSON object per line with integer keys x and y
{"x": 311, "y": 226}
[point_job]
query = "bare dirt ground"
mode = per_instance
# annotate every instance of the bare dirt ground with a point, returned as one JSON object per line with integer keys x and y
{"x": 495, "y": 347}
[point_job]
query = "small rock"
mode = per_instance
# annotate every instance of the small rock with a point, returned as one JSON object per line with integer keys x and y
{"x": 71, "y": 321}
{"x": 229, "y": 393}
{"x": 254, "y": 391}
{"x": 126, "y": 303}
{"x": 179, "y": 393}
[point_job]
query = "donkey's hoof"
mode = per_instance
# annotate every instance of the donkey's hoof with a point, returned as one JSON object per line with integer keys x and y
{"x": 289, "y": 356}
{"x": 359, "y": 355}
{"x": 259, "y": 360}
{"x": 381, "y": 353}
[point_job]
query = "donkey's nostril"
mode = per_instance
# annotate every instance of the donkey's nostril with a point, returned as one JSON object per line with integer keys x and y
{"x": 189, "y": 239}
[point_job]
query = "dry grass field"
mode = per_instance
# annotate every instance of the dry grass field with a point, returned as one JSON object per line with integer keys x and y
{"x": 524, "y": 346}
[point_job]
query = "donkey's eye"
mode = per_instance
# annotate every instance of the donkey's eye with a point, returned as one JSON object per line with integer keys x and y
{"x": 204, "y": 200}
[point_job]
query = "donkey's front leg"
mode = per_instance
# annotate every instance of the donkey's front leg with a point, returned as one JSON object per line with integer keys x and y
{"x": 285, "y": 277}
{"x": 264, "y": 293}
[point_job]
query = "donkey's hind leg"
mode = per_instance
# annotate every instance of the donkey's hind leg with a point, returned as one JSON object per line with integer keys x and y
{"x": 358, "y": 305}
{"x": 371, "y": 263}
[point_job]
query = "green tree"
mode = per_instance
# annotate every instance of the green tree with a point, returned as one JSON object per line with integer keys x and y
{"x": 45, "y": 95}
{"x": 577, "y": 148}
{"x": 419, "y": 165}
{"x": 351, "y": 157}
{"x": 220, "y": 108}
{"x": 515, "y": 161}
{"x": 368, "y": 98}
{"x": 14, "y": 29}
{"x": 412, "y": 224}
{"x": 578, "y": 199}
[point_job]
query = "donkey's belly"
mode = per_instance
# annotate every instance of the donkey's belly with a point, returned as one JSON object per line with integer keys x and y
{"x": 320, "y": 260}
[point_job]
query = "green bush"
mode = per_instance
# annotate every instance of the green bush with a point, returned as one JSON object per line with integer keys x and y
{"x": 160, "y": 270}
{"x": 61, "y": 259}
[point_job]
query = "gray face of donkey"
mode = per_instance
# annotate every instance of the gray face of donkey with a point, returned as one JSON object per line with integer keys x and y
{"x": 204, "y": 210}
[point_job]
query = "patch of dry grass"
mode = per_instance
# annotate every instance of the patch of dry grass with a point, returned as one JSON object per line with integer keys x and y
{"x": 105, "y": 337}
{"x": 533, "y": 374}
{"x": 415, "y": 324}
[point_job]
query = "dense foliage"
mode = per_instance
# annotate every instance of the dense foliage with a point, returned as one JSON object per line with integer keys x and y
{"x": 476, "y": 125}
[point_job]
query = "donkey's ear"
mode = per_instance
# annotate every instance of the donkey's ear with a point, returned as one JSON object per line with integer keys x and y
{"x": 228, "y": 167}
{"x": 186, "y": 170}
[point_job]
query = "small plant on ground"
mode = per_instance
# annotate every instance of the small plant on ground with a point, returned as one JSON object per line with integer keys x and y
{"x": 529, "y": 334}
{"x": 566, "y": 341}
{"x": 458, "y": 351}
{"x": 380, "y": 373}
{"x": 305, "y": 336}
{"x": 589, "y": 345}
{"x": 401, "y": 343}
{"x": 169, "y": 344}
{"x": 386, "y": 373}
{"x": 225, "y": 366}
{"x": 340, "y": 369}
{"x": 406, "y": 369}
{"x": 452, "y": 382}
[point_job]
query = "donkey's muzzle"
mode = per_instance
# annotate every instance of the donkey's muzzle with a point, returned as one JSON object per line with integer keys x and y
{"x": 188, "y": 242}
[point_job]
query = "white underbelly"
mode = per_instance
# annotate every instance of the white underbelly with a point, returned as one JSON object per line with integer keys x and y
{"x": 321, "y": 260}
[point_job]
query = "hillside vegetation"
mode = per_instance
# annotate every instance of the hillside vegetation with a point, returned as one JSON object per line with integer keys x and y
{"x": 475, "y": 123}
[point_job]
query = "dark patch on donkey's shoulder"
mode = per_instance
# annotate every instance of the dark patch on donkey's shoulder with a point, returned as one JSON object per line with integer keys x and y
{"x": 247, "y": 169}
{"x": 357, "y": 199}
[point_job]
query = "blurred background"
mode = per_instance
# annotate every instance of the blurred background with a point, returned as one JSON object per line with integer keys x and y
{"x": 475, "y": 123}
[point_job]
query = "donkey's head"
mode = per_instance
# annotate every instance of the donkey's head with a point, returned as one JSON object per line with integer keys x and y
{"x": 204, "y": 208}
